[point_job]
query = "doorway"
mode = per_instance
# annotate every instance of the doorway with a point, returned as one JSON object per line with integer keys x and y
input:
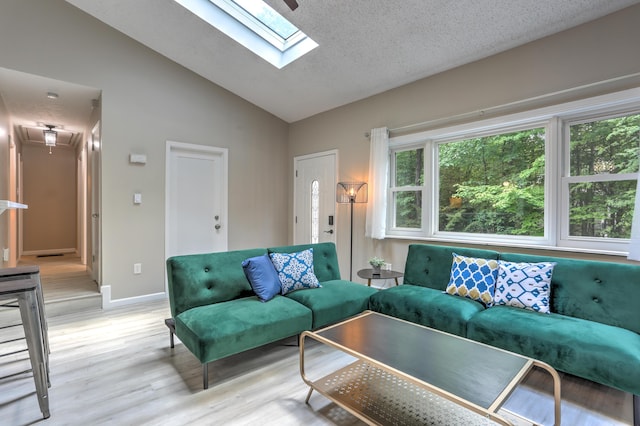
{"x": 35, "y": 174}
{"x": 196, "y": 199}
{"x": 315, "y": 197}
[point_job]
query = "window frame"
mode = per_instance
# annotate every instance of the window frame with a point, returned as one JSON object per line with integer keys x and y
{"x": 556, "y": 120}
{"x": 393, "y": 189}
{"x": 566, "y": 179}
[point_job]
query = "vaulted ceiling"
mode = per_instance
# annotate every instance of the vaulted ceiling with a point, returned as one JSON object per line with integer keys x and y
{"x": 365, "y": 46}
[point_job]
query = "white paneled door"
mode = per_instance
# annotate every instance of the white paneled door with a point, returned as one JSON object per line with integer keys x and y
{"x": 315, "y": 198}
{"x": 196, "y": 189}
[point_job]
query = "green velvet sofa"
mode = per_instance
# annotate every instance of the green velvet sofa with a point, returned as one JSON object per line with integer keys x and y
{"x": 593, "y": 330}
{"x": 215, "y": 313}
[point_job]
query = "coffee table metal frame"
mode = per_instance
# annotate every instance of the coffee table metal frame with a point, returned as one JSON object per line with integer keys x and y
{"x": 367, "y": 374}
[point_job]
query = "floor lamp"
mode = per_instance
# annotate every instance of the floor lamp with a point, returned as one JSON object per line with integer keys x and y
{"x": 350, "y": 193}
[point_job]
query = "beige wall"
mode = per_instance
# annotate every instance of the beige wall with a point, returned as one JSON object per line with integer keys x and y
{"x": 602, "y": 50}
{"x": 50, "y": 191}
{"x": 4, "y": 177}
{"x": 147, "y": 100}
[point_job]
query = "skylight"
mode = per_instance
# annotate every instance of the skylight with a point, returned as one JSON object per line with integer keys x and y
{"x": 268, "y": 17}
{"x": 256, "y": 26}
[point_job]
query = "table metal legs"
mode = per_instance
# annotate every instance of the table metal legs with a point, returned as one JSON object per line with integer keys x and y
{"x": 37, "y": 343}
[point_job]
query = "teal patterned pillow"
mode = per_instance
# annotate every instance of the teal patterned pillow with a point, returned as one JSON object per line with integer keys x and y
{"x": 524, "y": 285}
{"x": 474, "y": 278}
{"x": 295, "y": 270}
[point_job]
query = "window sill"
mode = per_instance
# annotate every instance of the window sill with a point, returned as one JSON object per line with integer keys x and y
{"x": 531, "y": 247}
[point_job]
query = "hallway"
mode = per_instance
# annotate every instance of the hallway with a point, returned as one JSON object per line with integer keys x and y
{"x": 66, "y": 284}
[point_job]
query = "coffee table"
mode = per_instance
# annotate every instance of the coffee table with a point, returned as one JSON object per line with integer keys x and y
{"x": 405, "y": 373}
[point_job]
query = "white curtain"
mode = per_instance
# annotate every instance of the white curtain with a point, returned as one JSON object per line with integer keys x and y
{"x": 634, "y": 244}
{"x": 378, "y": 183}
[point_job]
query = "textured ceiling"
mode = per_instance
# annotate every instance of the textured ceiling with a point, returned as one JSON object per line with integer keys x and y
{"x": 366, "y": 46}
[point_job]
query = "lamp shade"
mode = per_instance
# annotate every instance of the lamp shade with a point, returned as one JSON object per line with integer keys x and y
{"x": 351, "y": 192}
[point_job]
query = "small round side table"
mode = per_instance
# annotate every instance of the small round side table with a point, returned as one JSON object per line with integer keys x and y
{"x": 368, "y": 275}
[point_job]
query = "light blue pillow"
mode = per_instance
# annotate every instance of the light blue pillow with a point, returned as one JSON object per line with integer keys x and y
{"x": 262, "y": 276}
{"x": 295, "y": 270}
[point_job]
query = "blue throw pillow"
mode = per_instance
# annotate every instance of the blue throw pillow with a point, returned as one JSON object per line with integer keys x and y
{"x": 262, "y": 276}
{"x": 474, "y": 278}
{"x": 295, "y": 270}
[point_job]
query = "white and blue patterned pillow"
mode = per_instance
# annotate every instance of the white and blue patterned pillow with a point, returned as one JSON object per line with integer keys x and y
{"x": 524, "y": 285}
{"x": 473, "y": 278}
{"x": 295, "y": 270}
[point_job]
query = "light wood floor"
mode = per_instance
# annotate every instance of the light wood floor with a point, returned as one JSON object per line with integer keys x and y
{"x": 116, "y": 367}
{"x": 62, "y": 277}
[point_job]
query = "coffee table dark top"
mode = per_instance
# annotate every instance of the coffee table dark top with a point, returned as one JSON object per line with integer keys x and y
{"x": 467, "y": 369}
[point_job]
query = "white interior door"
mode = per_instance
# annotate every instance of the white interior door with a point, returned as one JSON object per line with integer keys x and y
{"x": 315, "y": 198}
{"x": 196, "y": 199}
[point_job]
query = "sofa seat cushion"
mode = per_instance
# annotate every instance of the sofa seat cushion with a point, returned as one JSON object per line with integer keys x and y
{"x": 221, "y": 329}
{"x": 426, "y": 306}
{"x": 334, "y": 301}
{"x": 592, "y": 350}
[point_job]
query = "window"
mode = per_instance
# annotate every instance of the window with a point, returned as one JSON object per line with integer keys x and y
{"x": 268, "y": 17}
{"x": 602, "y": 176}
{"x": 561, "y": 177}
{"x": 408, "y": 181}
{"x": 493, "y": 184}
{"x": 256, "y": 26}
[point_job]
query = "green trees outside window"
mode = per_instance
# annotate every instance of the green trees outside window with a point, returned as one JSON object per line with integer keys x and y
{"x": 493, "y": 184}
{"x": 604, "y": 154}
{"x": 409, "y": 179}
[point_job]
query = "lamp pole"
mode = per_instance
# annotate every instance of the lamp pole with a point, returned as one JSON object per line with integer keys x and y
{"x": 352, "y": 199}
{"x": 347, "y": 193}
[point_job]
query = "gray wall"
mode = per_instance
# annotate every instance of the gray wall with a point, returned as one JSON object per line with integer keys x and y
{"x": 594, "y": 52}
{"x": 147, "y": 100}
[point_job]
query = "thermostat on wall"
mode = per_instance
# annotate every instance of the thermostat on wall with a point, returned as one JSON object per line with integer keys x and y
{"x": 137, "y": 158}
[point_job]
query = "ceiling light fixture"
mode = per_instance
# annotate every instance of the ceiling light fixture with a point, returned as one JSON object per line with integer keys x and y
{"x": 50, "y": 136}
{"x": 52, "y": 95}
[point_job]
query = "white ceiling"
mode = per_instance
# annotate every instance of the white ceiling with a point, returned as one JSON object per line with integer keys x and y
{"x": 366, "y": 46}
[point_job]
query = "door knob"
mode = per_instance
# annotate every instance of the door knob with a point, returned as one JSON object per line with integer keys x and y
{"x": 330, "y": 231}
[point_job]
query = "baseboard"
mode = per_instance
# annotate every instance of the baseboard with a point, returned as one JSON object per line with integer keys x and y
{"x": 48, "y": 252}
{"x": 108, "y": 303}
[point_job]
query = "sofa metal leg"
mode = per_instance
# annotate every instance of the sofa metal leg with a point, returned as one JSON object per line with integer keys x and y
{"x": 205, "y": 375}
{"x": 171, "y": 324}
{"x": 636, "y": 410}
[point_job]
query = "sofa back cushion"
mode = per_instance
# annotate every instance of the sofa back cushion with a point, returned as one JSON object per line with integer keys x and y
{"x": 203, "y": 279}
{"x": 604, "y": 292}
{"x": 325, "y": 259}
{"x": 430, "y": 265}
